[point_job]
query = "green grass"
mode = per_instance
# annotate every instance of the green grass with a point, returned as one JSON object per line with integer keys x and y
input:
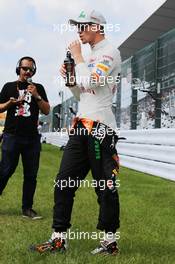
{"x": 147, "y": 233}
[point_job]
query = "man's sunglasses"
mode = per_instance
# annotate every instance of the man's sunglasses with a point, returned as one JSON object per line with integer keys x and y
{"x": 27, "y": 69}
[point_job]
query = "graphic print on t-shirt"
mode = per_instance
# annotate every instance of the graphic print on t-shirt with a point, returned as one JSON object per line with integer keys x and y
{"x": 24, "y": 108}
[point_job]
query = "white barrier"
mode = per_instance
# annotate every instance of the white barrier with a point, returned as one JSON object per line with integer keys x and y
{"x": 149, "y": 151}
{"x": 56, "y": 138}
{"x": 150, "y": 136}
{"x": 146, "y": 151}
{"x": 160, "y": 169}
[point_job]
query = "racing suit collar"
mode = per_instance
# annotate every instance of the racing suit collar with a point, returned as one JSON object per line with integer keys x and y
{"x": 100, "y": 44}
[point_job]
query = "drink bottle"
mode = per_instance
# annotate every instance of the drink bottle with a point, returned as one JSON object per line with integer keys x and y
{"x": 70, "y": 70}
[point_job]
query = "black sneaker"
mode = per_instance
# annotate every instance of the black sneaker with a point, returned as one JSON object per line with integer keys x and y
{"x": 53, "y": 246}
{"x": 30, "y": 213}
{"x": 106, "y": 248}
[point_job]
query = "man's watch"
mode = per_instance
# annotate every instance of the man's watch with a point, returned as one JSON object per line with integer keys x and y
{"x": 38, "y": 98}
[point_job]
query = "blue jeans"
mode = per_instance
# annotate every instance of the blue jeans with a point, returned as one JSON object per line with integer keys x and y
{"x": 29, "y": 148}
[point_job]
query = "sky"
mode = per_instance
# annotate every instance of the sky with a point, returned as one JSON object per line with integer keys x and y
{"x": 39, "y": 28}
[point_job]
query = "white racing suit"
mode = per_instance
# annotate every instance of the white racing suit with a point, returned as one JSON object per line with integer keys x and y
{"x": 96, "y": 83}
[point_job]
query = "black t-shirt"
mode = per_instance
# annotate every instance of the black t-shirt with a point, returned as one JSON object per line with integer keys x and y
{"x": 23, "y": 119}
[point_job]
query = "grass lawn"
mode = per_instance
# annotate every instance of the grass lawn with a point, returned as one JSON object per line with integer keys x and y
{"x": 147, "y": 233}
